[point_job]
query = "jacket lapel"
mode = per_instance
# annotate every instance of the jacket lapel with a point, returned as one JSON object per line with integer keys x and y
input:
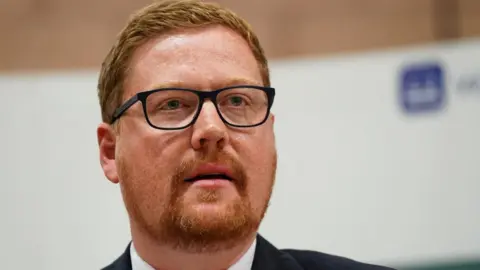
{"x": 268, "y": 257}
{"x": 122, "y": 263}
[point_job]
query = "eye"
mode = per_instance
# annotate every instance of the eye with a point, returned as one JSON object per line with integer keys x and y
{"x": 171, "y": 105}
{"x": 236, "y": 100}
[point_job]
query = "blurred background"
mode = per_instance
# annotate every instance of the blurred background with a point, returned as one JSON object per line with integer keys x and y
{"x": 379, "y": 159}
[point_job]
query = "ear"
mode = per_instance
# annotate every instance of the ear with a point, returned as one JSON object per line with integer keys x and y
{"x": 106, "y": 143}
{"x": 273, "y": 118}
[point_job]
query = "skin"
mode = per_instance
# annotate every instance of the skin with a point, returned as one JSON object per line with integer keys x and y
{"x": 175, "y": 224}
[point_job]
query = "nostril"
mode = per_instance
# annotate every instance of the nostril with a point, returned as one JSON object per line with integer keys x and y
{"x": 221, "y": 143}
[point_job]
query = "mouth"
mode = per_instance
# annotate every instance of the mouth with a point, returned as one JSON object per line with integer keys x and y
{"x": 210, "y": 172}
{"x": 213, "y": 176}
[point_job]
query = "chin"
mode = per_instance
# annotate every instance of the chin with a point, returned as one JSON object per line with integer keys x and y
{"x": 211, "y": 207}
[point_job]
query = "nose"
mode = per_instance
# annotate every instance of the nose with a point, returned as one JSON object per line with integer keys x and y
{"x": 209, "y": 131}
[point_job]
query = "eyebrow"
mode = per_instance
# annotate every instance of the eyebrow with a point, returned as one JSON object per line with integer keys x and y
{"x": 227, "y": 83}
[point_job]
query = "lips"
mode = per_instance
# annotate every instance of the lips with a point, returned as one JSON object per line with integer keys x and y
{"x": 211, "y": 171}
{"x": 208, "y": 176}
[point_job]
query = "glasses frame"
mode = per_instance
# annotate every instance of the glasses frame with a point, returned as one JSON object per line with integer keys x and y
{"x": 202, "y": 96}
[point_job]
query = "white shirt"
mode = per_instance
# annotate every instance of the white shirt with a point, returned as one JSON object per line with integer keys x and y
{"x": 245, "y": 262}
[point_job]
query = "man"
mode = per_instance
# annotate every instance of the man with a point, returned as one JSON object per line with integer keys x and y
{"x": 188, "y": 134}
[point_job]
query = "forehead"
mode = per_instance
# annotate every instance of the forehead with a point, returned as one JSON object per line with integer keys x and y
{"x": 200, "y": 58}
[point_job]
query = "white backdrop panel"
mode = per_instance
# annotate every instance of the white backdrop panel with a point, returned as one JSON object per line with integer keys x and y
{"x": 356, "y": 176}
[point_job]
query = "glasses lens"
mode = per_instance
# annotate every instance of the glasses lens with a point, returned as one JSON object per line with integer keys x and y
{"x": 243, "y": 106}
{"x": 171, "y": 108}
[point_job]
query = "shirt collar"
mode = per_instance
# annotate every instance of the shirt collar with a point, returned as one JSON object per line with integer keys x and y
{"x": 244, "y": 263}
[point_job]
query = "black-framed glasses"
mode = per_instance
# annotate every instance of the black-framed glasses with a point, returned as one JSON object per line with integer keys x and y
{"x": 178, "y": 108}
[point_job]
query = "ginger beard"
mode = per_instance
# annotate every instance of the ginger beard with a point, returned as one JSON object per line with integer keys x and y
{"x": 173, "y": 221}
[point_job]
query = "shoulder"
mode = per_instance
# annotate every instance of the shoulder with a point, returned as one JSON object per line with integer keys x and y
{"x": 123, "y": 262}
{"x": 312, "y": 260}
{"x": 269, "y": 257}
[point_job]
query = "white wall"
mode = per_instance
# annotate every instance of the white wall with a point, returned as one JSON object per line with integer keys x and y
{"x": 356, "y": 177}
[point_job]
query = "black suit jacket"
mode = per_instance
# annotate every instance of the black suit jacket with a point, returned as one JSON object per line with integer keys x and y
{"x": 267, "y": 257}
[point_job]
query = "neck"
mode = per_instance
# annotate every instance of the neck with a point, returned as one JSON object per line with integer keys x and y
{"x": 165, "y": 257}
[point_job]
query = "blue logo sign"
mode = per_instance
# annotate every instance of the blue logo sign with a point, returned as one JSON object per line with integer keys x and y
{"x": 422, "y": 88}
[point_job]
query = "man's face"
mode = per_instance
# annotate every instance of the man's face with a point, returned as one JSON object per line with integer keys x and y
{"x": 151, "y": 165}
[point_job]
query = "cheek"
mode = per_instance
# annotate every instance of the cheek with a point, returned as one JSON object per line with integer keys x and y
{"x": 147, "y": 166}
{"x": 261, "y": 149}
{"x": 258, "y": 155}
{"x": 139, "y": 175}
{"x": 156, "y": 150}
